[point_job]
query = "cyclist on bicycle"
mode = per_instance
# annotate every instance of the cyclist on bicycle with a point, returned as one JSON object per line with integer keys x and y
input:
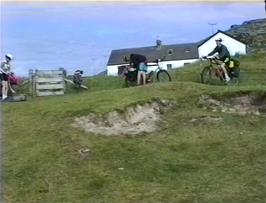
{"x": 223, "y": 57}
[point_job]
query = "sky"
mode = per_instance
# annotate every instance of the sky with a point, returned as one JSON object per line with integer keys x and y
{"x": 49, "y": 36}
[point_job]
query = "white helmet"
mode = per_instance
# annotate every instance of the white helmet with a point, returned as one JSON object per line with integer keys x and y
{"x": 9, "y": 56}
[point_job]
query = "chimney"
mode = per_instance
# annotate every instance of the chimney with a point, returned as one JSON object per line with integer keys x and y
{"x": 158, "y": 44}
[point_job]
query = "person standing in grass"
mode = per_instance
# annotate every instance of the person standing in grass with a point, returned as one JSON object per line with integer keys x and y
{"x": 142, "y": 73}
{"x": 4, "y": 72}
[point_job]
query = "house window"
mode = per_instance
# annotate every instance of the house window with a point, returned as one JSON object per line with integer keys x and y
{"x": 170, "y": 51}
{"x": 187, "y": 50}
{"x": 169, "y": 66}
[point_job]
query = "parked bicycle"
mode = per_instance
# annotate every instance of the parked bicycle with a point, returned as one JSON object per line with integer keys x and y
{"x": 213, "y": 72}
{"x": 131, "y": 74}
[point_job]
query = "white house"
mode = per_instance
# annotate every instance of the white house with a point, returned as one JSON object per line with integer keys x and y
{"x": 177, "y": 55}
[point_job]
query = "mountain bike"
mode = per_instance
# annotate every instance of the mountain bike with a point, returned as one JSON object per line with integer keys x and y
{"x": 213, "y": 73}
{"x": 162, "y": 75}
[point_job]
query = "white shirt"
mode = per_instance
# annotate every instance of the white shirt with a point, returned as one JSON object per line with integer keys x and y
{"x": 5, "y": 67}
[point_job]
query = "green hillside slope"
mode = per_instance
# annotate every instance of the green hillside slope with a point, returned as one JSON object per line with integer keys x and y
{"x": 199, "y": 153}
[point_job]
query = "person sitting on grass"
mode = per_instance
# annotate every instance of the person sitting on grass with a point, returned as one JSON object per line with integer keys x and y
{"x": 77, "y": 79}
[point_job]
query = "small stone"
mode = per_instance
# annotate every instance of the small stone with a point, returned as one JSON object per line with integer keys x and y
{"x": 84, "y": 153}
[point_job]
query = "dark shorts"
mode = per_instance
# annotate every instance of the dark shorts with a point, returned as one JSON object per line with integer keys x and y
{"x": 3, "y": 77}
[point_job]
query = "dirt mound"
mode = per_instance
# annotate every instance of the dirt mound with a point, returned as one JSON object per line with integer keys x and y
{"x": 134, "y": 120}
{"x": 242, "y": 105}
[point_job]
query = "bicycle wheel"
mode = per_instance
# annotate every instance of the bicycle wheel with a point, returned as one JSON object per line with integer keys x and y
{"x": 205, "y": 75}
{"x": 129, "y": 83}
{"x": 163, "y": 76}
{"x": 234, "y": 75}
{"x": 245, "y": 78}
{"x": 126, "y": 83}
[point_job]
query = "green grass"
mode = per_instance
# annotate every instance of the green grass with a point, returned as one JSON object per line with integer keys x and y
{"x": 184, "y": 162}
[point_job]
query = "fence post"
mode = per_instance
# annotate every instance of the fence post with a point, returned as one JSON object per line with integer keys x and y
{"x": 31, "y": 82}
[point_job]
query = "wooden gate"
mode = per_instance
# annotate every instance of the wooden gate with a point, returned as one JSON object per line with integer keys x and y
{"x": 48, "y": 82}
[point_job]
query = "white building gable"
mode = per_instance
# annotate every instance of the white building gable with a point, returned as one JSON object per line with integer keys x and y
{"x": 234, "y": 46}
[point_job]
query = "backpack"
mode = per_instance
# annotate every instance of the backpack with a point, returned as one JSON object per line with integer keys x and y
{"x": 14, "y": 80}
{"x": 233, "y": 63}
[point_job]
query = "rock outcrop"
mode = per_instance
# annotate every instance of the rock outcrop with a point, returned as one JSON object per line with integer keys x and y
{"x": 253, "y": 33}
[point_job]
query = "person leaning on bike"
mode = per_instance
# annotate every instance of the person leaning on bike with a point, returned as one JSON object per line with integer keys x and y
{"x": 223, "y": 57}
{"x": 138, "y": 62}
{"x": 135, "y": 59}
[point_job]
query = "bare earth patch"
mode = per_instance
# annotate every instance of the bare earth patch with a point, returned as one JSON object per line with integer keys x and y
{"x": 242, "y": 105}
{"x": 134, "y": 120}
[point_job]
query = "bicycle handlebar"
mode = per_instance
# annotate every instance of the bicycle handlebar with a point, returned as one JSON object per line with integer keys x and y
{"x": 209, "y": 58}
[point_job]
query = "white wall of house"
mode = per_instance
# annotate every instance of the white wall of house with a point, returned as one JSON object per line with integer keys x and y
{"x": 233, "y": 46}
{"x": 176, "y": 63}
{"x": 112, "y": 70}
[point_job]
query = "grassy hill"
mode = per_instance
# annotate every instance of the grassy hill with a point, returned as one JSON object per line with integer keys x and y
{"x": 197, "y": 154}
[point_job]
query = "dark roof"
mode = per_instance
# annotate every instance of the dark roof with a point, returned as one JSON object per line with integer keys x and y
{"x": 205, "y": 40}
{"x": 179, "y": 52}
